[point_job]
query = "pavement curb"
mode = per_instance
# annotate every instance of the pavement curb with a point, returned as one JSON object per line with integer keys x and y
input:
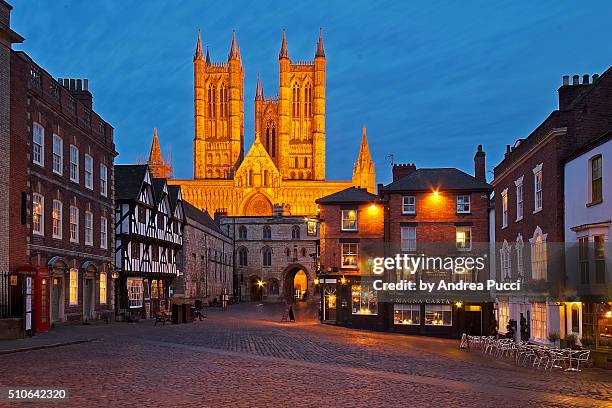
{"x": 44, "y": 346}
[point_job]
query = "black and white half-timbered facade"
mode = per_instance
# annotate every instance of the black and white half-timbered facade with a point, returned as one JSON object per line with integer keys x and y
{"x": 149, "y": 222}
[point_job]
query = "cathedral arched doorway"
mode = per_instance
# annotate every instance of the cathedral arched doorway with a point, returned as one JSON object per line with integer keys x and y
{"x": 295, "y": 283}
{"x": 257, "y": 205}
{"x": 256, "y": 288}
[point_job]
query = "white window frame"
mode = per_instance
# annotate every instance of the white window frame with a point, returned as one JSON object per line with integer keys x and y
{"x": 88, "y": 228}
{"x": 103, "y": 180}
{"x": 592, "y": 160}
{"x": 504, "y": 198}
{"x": 519, "y": 198}
{"x": 538, "y": 179}
{"x": 40, "y": 200}
{"x": 56, "y": 216}
{"x": 356, "y": 227}
{"x": 74, "y": 224}
{"x": 457, "y": 230}
{"x": 538, "y": 322}
{"x": 38, "y": 146}
{"x": 135, "y": 292}
{"x": 58, "y": 155}
{"x": 469, "y": 204}
{"x": 89, "y": 172}
{"x": 539, "y": 255}
{"x": 73, "y": 277}
{"x": 408, "y": 243}
{"x": 74, "y": 164}
{"x": 103, "y": 233}
{"x": 407, "y": 206}
{"x": 345, "y": 250}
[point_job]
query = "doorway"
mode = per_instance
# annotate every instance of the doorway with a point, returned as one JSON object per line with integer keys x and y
{"x": 300, "y": 285}
{"x": 295, "y": 283}
{"x": 88, "y": 299}
{"x": 473, "y": 320}
{"x": 57, "y": 299}
{"x": 329, "y": 304}
{"x": 256, "y": 286}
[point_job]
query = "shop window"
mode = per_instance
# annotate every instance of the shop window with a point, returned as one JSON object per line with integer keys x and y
{"x": 102, "y": 288}
{"x": 364, "y": 301}
{"x": 438, "y": 315}
{"x": 407, "y": 314}
{"x": 503, "y": 316}
{"x": 154, "y": 289}
{"x": 74, "y": 286}
{"x": 134, "y": 287}
{"x": 538, "y": 321}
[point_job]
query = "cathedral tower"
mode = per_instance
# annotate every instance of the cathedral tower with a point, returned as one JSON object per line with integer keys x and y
{"x": 364, "y": 175}
{"x": 219, "y": 113}
{"x": 300, "y": 113}
{"x": 160, "y": 167}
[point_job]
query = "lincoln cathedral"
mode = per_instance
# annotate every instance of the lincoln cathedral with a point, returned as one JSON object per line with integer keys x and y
{"x": 285, "y": 165}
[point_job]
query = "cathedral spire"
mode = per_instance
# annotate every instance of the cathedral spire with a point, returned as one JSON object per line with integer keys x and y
{"x": 198, "y": 52}
{"x": 364, "y": 175}
{"x": 284, "y": 52}
{"x": 259, "y": 90}
{"x": 320, "y": 51}
{"x": 159, "y": 167}
{"x": 207, "y": 56}
{"x": 234, "y": 49}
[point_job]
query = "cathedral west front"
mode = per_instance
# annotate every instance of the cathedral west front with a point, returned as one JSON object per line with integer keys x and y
{"x": 286, "y": 162}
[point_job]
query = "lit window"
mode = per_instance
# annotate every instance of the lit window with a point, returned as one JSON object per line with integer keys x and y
{"x": 349, "y": 220}
{"x": 38, "y": 144}
{"x": 57, "y": 219}
{"x": 102, "y": 288}
{"x": 364, "y": 300}
{"x": 89, "y": 172}
{"x": 596, "y": 180}
{"x": 38, "y": 210}
{"x": 349, "y": 255}
{"x": 599, "y": 246}
{"x": 464, "y": 238}
{"x": 74, "y": 286}
{"x": 538, "y": 255}
{"x": 88, "y": 228}
{"x": 438, "y": 315}
{"x": 154, "y": 289}
{"x": 74, "y": 163}
{"x": 519, "y": 198}
{"x": 538, "y": 321}
{"x": 408, "y": 239}
{"x": 504, "y": 197}
{"x": 58, "y": 154}
{"x": 537, "y": 182}
{"x": 406, "y": 314}
{"x": 463, "y": 204}
{"x": 503, "y": 316}
{"x": 103, "y": 180}
{"x": 74, "y": 224}
{"x": 103, "y": 233}
{"x": 134, "y": 287}
{"x": 409, "y": 204}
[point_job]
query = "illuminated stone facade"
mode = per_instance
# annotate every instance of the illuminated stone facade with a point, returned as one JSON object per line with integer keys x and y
{"x": 286, "y": 163}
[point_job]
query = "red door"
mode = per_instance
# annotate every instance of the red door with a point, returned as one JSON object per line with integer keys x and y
{"x": 41, "y": 300}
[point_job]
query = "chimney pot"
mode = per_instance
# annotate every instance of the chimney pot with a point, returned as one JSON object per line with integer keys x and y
{"x": 72, "y": 84}
{"x": 79, "y": 85}
{"x": 595, "y": 77}
{"x": 86, "y": 84}
{"x": 585, "y": 79}
{"x": 565, "y": 80}
{"x": 576, "y": 80}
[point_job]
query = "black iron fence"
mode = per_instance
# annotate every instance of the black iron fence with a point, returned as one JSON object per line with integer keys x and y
{"x": 10, "y": 296}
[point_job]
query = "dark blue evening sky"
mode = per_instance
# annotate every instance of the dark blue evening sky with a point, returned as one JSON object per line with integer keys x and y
{"x": 430, "y": 80}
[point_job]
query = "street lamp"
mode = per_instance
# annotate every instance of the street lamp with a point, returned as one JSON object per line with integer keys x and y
{"x": 261, "y": 284}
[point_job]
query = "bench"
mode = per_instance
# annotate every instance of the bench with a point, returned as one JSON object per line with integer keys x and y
{"x": 163, "y": 317}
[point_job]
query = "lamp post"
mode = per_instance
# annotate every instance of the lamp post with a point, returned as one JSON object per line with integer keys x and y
{"x": 261, "y": 284}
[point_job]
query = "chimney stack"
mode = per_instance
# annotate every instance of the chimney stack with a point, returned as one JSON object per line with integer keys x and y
{"x": 507, "y": 151}
{"x": 568, "y": 93}
{"x": 79, "y": 88}
{"x": 402, "y": 170}
{"x": 480, "y": 165}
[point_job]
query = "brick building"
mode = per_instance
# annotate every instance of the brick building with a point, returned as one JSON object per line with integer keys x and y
{"x": 10, "y": 325}
{"x": 149, "y": 224}
{"x": 208, "y": 258}
{"x": 529, "y": 208}
{"x": 274, "y": 256}
{"x": 62, "y": 155}
{"x": 352, "y": 230}
{"x": 439, "y": 212}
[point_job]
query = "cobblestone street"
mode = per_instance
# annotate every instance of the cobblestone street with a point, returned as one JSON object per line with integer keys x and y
{"x": 246, "y": 357}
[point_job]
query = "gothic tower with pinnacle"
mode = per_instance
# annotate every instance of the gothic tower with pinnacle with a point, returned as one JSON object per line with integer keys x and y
{"x": 364, "y": 175}
{"x": 292, "y": 125}
{"x": 160, "y": 167}
{"x": 219, "y": 113}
